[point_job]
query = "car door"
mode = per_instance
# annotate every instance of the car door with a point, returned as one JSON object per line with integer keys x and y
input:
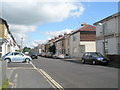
{"x": 85, "y": 57}
{"x": 18, "y": 57}
{"x": 89, "y": 57}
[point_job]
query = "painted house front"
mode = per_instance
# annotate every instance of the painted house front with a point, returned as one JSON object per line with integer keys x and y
{"x": 108, "y": 35}
{"x": 82, "y": 40}
{"x": 7, "y": 41}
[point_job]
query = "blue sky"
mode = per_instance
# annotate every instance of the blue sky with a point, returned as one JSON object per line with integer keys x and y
{"x": 94, "y": 11}
{"x": 37, "y": 22}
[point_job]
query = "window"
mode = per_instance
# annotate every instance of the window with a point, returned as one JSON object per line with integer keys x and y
{"x": 0, "y": 49}
{"x": 62, "y": 43}
{"x": 106, "y": 46}
{"x": 75, "y": 50}
{"x": 105, "y": 30}
{"x": 74, "y": 37}
{"x": 18, "y": 54}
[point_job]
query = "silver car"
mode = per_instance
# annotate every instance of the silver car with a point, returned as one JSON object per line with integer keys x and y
{"x": 16, "y": 57}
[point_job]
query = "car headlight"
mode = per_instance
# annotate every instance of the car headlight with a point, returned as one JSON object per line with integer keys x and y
{"x": 100, "y": 59}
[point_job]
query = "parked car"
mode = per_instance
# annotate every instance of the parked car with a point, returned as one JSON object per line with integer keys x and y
{"x": 43, "y": 54}
{"x": 49, "y": 54}
{"x": 94, "y": 58}
{"x": 33, "y": 55}
{"x": 16, "y": 57}
{"x": 60, "y": 56}
{"x": 55, "y": 55}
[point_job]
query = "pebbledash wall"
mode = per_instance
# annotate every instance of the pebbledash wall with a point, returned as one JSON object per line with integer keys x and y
{"x": 108, "y": 32}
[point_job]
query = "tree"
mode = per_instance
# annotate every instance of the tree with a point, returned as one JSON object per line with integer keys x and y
{"x": 26, "y": 49}
{"x": 52, "y": 49}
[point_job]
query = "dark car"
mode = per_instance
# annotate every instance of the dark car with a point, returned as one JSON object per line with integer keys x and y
{"x": 94, "y": 58}
{"x": 33, "y": 55}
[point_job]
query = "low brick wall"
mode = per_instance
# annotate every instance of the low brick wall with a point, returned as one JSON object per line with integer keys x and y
{"x": 115, "y": 58}
{"x": 3, "y": 71}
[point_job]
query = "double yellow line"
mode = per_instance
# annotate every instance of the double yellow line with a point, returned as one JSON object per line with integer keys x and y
{"x": 58, "y": 86}
{"x": 48, "y": 78}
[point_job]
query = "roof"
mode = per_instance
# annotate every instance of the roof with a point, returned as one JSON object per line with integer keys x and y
{"x": 108, "y": 18}
{"x": 88, "y": 28}
{"x": 2, "y": 21}
{"x": 58, "y": 39}
{"x": 85, "y": 28}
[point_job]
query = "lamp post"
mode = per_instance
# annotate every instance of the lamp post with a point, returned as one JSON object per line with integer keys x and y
{"x": 21, "y": 43}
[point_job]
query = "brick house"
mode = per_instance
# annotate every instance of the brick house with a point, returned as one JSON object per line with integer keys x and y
{"x": 60, "y": 44}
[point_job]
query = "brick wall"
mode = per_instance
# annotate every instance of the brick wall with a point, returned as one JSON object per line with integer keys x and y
{"x": 115, "y": 58}
{"x": 87, "y": 37}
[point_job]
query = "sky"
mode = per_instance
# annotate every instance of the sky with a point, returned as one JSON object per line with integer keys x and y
{"x": 37, "y": 22}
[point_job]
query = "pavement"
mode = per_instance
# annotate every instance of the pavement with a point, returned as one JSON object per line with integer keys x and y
{"x": 23, "y": 75}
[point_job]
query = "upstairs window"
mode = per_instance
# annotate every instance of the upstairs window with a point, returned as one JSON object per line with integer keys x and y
{"x": 105, "y": 30}
{"x": 74, "y": 37}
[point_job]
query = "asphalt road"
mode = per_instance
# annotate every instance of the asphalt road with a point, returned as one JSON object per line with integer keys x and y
{"x": 51, "y": 73}
{"x": 73, "y": 75}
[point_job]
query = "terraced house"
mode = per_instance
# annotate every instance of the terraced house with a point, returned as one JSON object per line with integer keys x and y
{"x": 7, "y": 41}
{"x": 108, "y": 36}
{"x": 82, "y": 40}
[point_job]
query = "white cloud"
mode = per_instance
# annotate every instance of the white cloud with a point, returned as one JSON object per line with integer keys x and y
{"x": 39, "y": 13}
{"x": 24, "y": 16}
{"x": 36, "y": 42}
{"x": 20, "y": 31}
{"x": 50, "y": 35}
{"x": 53, "y": 34}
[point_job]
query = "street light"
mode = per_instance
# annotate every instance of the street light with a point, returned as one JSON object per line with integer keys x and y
{"x": 21, "y": 42}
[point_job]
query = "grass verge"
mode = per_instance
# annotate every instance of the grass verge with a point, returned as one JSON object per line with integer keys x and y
{"x": 5, "y": 85}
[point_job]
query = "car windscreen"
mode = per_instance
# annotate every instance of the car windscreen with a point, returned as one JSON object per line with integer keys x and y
{"x": 97, "y": 54}
{"x": 6, "y": 54}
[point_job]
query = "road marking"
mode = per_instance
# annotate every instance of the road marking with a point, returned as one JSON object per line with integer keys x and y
{"x": 49, "y": 79}
{"x": 14, "y": 84}
{"x": 20, "y": 68}
{"x": 33, "y": 65}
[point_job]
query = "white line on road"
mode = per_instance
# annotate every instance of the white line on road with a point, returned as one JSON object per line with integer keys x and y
{"x": 15, "y": 81}
{"x": 20, "y": 68}
{"x": 33, "y": 65}
{"x": 48, "y": 78}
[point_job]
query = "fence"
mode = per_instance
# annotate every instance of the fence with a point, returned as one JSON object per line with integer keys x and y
{"x": 3, "y": 71}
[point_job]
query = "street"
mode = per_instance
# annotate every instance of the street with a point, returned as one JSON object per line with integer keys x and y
{"x": 57, "y": 73}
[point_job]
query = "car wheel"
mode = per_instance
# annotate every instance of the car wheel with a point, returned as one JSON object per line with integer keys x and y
{"x": 27, "y": 60}
{"x": 83, "y": 61}
{"x": 8, "y": 60}
{"x": 93, "y": 62}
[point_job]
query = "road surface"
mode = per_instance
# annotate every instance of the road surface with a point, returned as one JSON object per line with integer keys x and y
{"x": 56, "y": 73}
